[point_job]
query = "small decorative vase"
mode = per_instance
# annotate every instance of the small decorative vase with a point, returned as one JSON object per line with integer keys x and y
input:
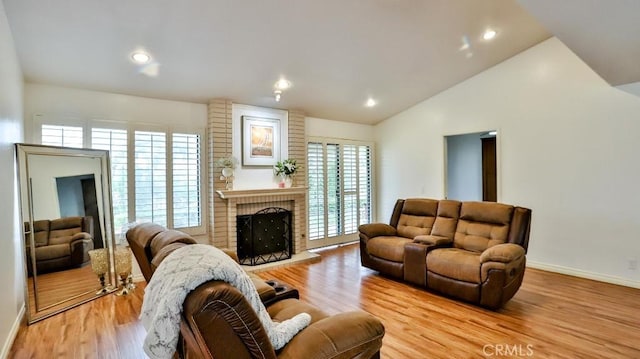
{"x": 227, "y": 177}
{"x": 287, "y": 181}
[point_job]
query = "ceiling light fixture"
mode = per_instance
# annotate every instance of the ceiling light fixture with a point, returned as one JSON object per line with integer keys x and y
{"x": 282, "y": 84}
{"x": 370, "y": 102}
{"x": 489, "y": 34}
{"x": 279, "y": 87}
{"x": 140, "y": 57}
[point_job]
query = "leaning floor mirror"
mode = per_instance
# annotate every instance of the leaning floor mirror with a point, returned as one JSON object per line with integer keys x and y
{"x": 65, "y": 198}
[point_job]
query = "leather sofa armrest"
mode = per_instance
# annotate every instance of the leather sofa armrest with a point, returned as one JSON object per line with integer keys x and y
{"x": 433, "y": 240}
{"x": 377, "y": 229}
{"x": 504, "y": 253}
{"x": 344, "y": 335}
{"x": 80, "y": 235}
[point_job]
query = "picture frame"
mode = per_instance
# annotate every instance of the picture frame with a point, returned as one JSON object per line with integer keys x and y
{"x": 260, "y": 141}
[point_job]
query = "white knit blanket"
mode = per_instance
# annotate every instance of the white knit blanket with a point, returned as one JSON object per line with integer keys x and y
{"x": 184, "y": 270}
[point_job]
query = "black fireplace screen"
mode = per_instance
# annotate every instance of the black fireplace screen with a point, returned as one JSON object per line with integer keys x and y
{"x": 264, "y": 236}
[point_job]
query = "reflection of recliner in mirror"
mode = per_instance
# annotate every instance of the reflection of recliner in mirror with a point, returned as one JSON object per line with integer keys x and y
{"x": 61, "y": 243}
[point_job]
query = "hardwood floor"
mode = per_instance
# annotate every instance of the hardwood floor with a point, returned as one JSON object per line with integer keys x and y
{"x": 59, "y": 289}
{"x": 552, "y": 316}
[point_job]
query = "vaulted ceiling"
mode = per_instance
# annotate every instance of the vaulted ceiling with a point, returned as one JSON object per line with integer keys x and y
{"x": 336, "y": 53}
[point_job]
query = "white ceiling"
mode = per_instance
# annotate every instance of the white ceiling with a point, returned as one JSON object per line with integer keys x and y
{"x": 604, "y": 34}
{"x": 336, "y": 53}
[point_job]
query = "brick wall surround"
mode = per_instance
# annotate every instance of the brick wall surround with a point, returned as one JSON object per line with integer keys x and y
{"x": 220, "y": 142}
{"x": 222, "y": 221}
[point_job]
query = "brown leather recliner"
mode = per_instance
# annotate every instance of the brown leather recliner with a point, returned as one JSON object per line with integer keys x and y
{"x": 60, "y": 243}
{"x": 218, "y": 322}
{"x": 474, "y": 251}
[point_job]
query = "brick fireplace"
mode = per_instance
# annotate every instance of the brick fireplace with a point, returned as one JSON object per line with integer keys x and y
{"x": 244, "y": 202}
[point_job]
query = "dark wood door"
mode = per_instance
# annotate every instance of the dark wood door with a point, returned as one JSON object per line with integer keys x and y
{"x": 91, "y": 209}
{"x": 489, "y": 182}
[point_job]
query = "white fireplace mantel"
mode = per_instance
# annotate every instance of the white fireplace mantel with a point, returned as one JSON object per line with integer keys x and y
{"x": 248, "y": 193}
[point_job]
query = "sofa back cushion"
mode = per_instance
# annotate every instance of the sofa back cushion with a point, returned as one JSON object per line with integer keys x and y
{"x": 64, "y": 228}
{"x": 447, "y": 219}
{"x": 41, "y": 232}
{"x": 482, "y": 225}
{"x": 417, "y": 217}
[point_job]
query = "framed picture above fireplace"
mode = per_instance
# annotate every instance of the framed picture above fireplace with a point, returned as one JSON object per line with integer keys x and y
{"x": 260, "y": 141}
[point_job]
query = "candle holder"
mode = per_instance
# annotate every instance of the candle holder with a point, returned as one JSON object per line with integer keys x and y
{"x": 100, "y": 266}
{"x": 123, "y": 269}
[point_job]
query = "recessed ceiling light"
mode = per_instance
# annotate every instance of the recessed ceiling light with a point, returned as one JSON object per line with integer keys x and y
{"x": 140, "y": 57}
{"x": 489, "y": 34}
{"x": 282, "y": 84}
{"x": 370, "y": 102}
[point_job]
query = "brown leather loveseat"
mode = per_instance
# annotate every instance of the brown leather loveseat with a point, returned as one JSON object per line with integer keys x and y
{"x": 60, "y": 243}
{"x": 218, "y": 322}
{"x": 474, "y": 251}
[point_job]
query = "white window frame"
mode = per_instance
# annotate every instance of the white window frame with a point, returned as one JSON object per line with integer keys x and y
{"x": 340, "y": 238}
{"x": 87, "y": 125}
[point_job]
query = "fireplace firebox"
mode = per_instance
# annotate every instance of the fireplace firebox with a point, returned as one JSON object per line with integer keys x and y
{"x": 264, "y": 236}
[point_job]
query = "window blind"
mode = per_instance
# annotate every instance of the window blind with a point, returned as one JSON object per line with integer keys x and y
{"x": 186, "y": 180}
{"x": 115, "y": 141}
{"x": 65, "y": 136}
{"x": 340, "y": 187}
{"x": 151, "y": 177}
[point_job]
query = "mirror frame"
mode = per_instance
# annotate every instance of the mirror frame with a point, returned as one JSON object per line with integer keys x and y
{"x": 23, "y": 151}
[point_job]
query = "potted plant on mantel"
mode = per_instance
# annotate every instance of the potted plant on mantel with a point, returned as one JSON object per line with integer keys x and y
{"x": 228, "y": 164}
{"x": 286, "y": 170}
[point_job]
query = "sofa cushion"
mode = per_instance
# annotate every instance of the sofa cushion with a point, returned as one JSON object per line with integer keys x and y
{"x": 455, "y": 263}
{"x": 64, "y": 227}
{"x": 389, "y": 248}
{"x": 417, "y": 217}
{"x": 446, "y": 219}
{"x": 53, "y": 252}
{"x": 41, "y": 232}
{"x": 488, "y": 212}
{"x": 482, "y": 225}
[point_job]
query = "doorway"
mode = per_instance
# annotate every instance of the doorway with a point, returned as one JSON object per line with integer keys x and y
{"x": 77, "y": 197}
{"x": 471, "y": 167}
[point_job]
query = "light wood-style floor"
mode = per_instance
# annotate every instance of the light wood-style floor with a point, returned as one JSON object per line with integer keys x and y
{"x": 70, "y": 285}
{"x": 552, "y": 316}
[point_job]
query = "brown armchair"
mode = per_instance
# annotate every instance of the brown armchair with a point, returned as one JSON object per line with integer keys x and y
{"x": 218, "y": 322}
{"x": 60, "y": 243}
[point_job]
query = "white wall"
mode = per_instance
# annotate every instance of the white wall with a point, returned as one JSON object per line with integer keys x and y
{"x": 43, "y": 171}
{"x": 464, "y": 167}
{"x": 569, "y": 148}
{"x": 318, "y": 127}
{"x": 11, "y": 131}
{"x": 70, "y": 104}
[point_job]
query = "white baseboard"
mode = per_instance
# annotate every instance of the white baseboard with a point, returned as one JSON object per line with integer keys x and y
{"x": 138, "y": 278}
{"x": 584, "y": 274}
{"x": 12, "y": 334}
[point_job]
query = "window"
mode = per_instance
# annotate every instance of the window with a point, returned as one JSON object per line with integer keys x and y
{"x": 340, "y": 190}
{"x": 115, "y": 141}
{"x": 155, "y": 174}
{"x": 65, "y": 136}
{"x": 151, "y": 177}
{"x": 186, "y": 180}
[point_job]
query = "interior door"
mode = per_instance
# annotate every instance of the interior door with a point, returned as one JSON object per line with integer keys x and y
{"x": 489, "y": 182}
